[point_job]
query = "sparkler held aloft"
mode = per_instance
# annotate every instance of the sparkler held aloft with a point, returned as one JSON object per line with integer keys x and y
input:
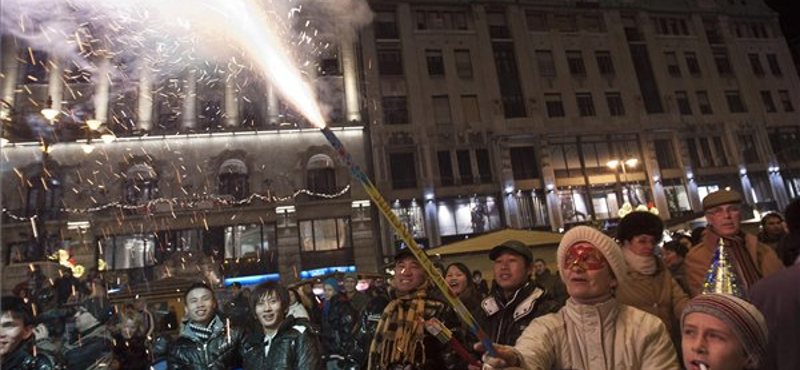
{"x": 461, "y": 310}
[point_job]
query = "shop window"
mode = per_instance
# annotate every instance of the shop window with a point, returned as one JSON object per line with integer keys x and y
{"x": 463, "y": 216}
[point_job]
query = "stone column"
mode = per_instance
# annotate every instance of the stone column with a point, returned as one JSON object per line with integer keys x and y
{"x": 189, "y": 120}
{"x": 350, "y": 73}
{"x": 101, "y": 86}
{"x": 145, "y": 101}
{"x": 231, "y": 103}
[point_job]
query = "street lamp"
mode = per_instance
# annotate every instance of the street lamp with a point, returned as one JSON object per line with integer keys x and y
{"x": 48, "y": 112}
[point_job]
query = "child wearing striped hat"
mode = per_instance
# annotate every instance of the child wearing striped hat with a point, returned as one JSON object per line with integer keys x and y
{"x": 722, "y": 332}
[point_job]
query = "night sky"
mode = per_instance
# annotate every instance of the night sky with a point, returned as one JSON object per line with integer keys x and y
{"x": 789, "y": 12}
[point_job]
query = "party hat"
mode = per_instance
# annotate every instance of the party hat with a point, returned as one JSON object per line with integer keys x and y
{"x": 721, "y": 276}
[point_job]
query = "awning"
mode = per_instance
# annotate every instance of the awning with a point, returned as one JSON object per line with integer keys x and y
{"x": 485, "y": 242}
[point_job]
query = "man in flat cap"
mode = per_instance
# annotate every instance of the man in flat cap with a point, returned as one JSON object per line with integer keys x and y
{"x": 753, "y": 260}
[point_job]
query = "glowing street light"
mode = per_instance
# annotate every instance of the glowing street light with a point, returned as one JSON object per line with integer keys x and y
{"x": 48, "y": 112}
{"x": 94, "y": 124}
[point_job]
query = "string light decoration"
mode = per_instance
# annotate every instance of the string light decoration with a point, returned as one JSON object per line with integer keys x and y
{"x": 193, "y": 203}
{"x": 721, "y": 277}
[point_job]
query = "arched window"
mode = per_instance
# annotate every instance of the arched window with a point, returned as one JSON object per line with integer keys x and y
{"x": 141, "y": 185}
{"x": 321, "y": 176}
{"x": 233, "y": 179}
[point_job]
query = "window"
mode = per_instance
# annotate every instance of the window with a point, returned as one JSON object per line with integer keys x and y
{"x": 395, "y": 110}
{"x": 403, "y": 170}
{"x": 604, "y": 63}
{"x": 786, "y": 101}
{"x": 665, "y": 154}
{"x": 523, "y": 163}
{"x": 464, "y": 160}
{"x": 123, "y": 252}
{"x": 329, "y": 61}
{"x": 565, "y": 22}
{"x": 463, "y": 63}
{"x": 585, "y": 104}
{"x": 615, "y": 106}
{"x": 251, "y": 241}
{"x": 755, "y": 63}
{"x": 692, "y": 64}
{"x": 34, "y": 71}
{"x": 441, "y": 110}
{"x": 545, "y": 63}
{"x": 707, "y": 152}
{"x": 508, "y": 77}
{"x": 555, "y": 108}
{"x": 735, "y": 103}
{"x": 390, "y": 60}
{"x": 498, "y": 28}
{"x": 411, "y": 215}
{"x": 484, "y": 165}
{"x": 671, "y": 26}
{"x": 719, "y": 151}
{"x": 747, "y": 145}
{"x": 321, "y": 174}
{"x": 537, "y": 22}
{"x": 532, "y": 209}
{"x": 471, "y": 110}
{"x": 446, "y": 177}
{"x": 326, "y": 234}
{"x": 684, "y": 107}
{"x": 722, "y": 62}
{"x": 435, "y": 62}
{"x": 436, "y": 19}
{"x": 575, "y": 62}
{"x": 460, "y": 216}
{"x": 672, "y": 64}
{"x": 677, "y": 197}
{"x": 774, "y": 66}
{"x": 386, "y": 25}
{"x": 712, "y": 31}
{"x": 593, "y": 23}
{"x": 769, "y": 104}
{"x": 141, "y": 184}
{"x": 704, "y": 103}
{"x": 233, "y": 179}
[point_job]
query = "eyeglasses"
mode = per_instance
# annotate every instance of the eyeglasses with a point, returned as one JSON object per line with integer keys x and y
{"x": 586, "y": 257}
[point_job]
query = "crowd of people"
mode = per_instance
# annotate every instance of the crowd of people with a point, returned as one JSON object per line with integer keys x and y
{"x": 628, "y": 302}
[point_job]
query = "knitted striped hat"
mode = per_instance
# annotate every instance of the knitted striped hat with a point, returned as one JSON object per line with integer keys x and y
{"x": 611, "y": 251}
{"x": 744, "y": 319}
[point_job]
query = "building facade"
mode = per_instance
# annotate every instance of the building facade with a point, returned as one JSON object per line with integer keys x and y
{"x": 543, "y": 114}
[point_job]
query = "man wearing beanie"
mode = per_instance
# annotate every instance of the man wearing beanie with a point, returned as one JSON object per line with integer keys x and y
{"x": 649, "y": 285}
{"x": 722, "y": 332}
{"x": 338, "y": 318}
{"x": 357, "y": 299}
{"x": 593, "y": 331}
{"x": 753, "y": 260}
{"x": 401, "y": 341}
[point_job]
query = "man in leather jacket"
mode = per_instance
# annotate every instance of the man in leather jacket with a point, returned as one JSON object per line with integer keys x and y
{"x": 514, "y": 300}
{"x": 208, "y": 341}
{"x": 89, "y": 347}
{"x": 281, "y": 341}
{"x": 16, "y": 339}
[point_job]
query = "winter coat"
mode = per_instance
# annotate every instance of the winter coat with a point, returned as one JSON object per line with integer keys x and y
{"x": 219, "y": 352}
{"x": 503, "y": 321}
{"x": 131, "y": 353}
{"x": 604, "y": 336}
{"x": 658, "y": 294}
{"x": 337, "y": 325}
{"x": 90, "y": 351}
{"x": 699, "y": 258}
{"x": 294, "y": 347}
{"x": 22, "y": 358}
{"x": 365, "y": 329}
{"x": 778, "y": 298}
{"x": 553, "y": 284}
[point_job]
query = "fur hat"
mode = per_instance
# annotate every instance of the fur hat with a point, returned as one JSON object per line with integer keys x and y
{"x": 602, "y": 242}
{"x": 742, "y": 318}
{"x": 721, "y": 197}
{"x": 639, "y": 223}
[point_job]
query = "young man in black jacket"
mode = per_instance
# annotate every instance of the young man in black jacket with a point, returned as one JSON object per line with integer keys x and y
{"x": 208, "y": 341}
{"x": 514, "y": 300}
{"x": 16, "y": 339}
{"x": 281, "y": 341}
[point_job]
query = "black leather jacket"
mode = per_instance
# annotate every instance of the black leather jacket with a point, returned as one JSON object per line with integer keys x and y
{"x": 368, "y": 321}
{"x": 219, "y": 352}
{"x": 294, "y": 347}
{"x": 337, "y": 326}
{"x": 23, "y": 359}
{"x": 504, "y": 320}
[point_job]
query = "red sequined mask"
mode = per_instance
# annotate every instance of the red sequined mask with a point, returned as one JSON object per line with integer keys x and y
{"x": 585, "y": 256}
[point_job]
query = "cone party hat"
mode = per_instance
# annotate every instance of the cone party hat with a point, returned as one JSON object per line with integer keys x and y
{"x": 721, "y": 276}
